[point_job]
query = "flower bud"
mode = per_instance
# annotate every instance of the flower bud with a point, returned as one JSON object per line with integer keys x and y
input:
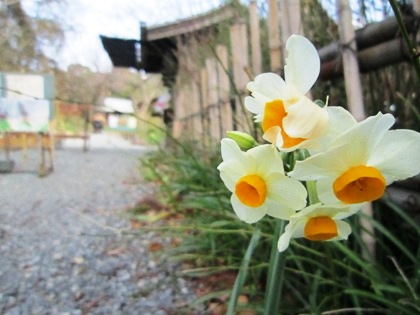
{"x": 244, "y": 140}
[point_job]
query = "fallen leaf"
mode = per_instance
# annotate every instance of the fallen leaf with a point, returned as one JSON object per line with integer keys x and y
{"x": 242, "y": 300}
{"x": 155, "y": 246}
{"x": 116, "y": 251}
{"x": 176, "y": 241}
{"x": 216, "y": 308}
{"x": 135, "y": 224}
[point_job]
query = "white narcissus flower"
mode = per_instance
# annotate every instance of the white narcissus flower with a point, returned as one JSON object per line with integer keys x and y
{"x": 258, "y": 184}
{"x": 288, "y": 117}
{"x": 362, "y": 161}
{"x": 317, "y": 222}
{"x": 340, "y": 120}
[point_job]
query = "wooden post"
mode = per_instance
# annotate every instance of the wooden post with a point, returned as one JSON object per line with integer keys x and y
{"x": 226, "y": 118}
{"x": 354, "y": 94}
{"x": 240, "y": 62}
{"x": 254, "y": 26}
{"x": 213, "y": 100}
{"x": 291, "y": 22}
{"x": 191, "y": 73}
{"x": 204, "y": 100}
{"x": 274, "y": 36}
{"x": 350, "y": 64}
{"x": 197, "y": 124}
{"x": 179, "y": 114}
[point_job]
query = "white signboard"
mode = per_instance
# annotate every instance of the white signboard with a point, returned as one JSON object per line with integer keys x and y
{"x": 25, "y": 86}
{"x": 24, "y": 115}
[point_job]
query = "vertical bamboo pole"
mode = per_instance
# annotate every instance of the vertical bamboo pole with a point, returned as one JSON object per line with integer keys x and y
{"x": 192, "y": 70}
{"x": 354, "y": 93}
{"x": 213, "y": 109}
{"x": 178, "y": 113}
{"x": 178, "y": 95}
{"x": 254, "y": 26}
{"x": 274, "y": 36}
{"x": 196, "y": 111}
{"x": 240, "y": 62}
{"x": 350, "y": 63}
{"x": 291, "y": 21}
{"x": 226, "y": 119}
{"x": 204, "y": 100}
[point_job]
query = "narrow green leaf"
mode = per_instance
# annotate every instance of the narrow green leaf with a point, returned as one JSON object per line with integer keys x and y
{"x": 243, "y": 271}
{"x": 275, "y": 273}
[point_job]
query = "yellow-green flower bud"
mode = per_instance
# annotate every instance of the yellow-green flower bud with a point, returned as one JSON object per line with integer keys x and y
{"x": 244, "y": 140}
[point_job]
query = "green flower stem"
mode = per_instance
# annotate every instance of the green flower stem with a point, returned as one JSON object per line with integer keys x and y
{"x": 312, "y": 194}
{"x": 243, "y": 272}
{"x": 275, "y": 273}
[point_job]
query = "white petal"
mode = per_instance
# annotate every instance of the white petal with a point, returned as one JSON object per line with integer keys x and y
{"x": 273, "y": 135}
{"x": 236, "y": 163}
{"x": 363, "y": 137}
{"x": 245, "y": 213}
{"x": 299, "y": 228}
{"x": 305, "y": 119}
{"x": 230, "y": 150}
{"x": 307, "y": 212}
{"x": 267, "y": 160}
{"x": 267, "y": 87}
{"x": 302, "y": 63}
{"x": 397, "y": 155}
{"x": 324, "y": 187}
{"x": 295, "y": 229}
{"x": 344, "y": 230}
{"x": 339, "y": 121}
{"x": 277, "y": 210}
{"x": 254, "y": 106}
{"x": 284, "y": 239}
{"x": 286, "y": 191}
{"x": 328, "y": 164}
{"x": 351, "y": 148}
{"x": 230, "y": 172}
{"x": 335, "y": 211}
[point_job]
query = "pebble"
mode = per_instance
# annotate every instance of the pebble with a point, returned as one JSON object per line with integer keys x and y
{"x": 62, "y": 246}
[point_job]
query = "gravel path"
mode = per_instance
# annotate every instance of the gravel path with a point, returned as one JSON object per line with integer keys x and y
{"x": 60, "y": 250}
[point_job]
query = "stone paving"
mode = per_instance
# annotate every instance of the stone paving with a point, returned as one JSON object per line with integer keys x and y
{"x": 61, "y": 246}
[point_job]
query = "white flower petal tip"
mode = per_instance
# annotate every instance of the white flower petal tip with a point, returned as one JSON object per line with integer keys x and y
{"x": 230, "y": 149}
{"x": 302, "y": 63}
{"x": 283, "y": 242}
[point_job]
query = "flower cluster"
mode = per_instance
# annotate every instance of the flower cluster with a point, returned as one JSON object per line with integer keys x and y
{"x": 350, "y": 162}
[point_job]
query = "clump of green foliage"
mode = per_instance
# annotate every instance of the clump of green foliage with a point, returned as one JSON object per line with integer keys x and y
{"x": 319, "y": 278}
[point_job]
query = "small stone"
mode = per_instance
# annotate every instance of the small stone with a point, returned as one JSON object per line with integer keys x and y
{"x": 58, "y": 256}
